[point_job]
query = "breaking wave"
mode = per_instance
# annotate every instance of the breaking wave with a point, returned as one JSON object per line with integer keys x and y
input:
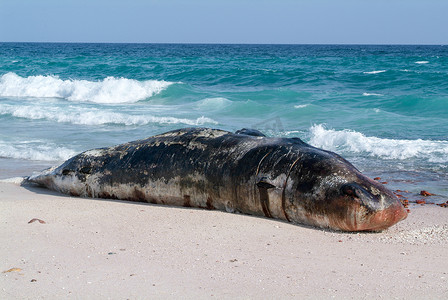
{"x": 93, "y": 116}
{"x": 356, "y": 142}
{"x": 35, "y": 150}
{"x": 108, "y": 90}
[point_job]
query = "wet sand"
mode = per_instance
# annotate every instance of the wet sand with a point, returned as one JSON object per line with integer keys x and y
{"x": 100, "y": 249}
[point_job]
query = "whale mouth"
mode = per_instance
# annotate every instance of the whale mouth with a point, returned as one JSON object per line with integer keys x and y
{"x": 378, "y": 220}
{"x": 385, "y": 218}
{"x": 42, "y": 178}
{"x": 370, "y": 211}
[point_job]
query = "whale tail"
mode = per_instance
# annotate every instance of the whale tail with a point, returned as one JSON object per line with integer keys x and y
{"x": 40, "y": 178}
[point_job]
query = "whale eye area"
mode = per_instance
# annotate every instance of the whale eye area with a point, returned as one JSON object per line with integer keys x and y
{"x": 350, "y": 190}
{"x": 85, "y": 170}
{"x": 66, "y": 172}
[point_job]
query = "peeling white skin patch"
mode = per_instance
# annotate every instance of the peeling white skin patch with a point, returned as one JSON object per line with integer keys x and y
{"x": 211, "y": 133}
{"x": 331, "y": 181}
{"x": 69, "y": 184}
{"x": 95, "y": 152}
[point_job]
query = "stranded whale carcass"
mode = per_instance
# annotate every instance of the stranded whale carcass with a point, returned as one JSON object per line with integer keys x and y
{"x": 246, "y": 172}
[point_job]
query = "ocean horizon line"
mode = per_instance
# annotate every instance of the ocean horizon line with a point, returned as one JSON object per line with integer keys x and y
{"x": 219, "y": 43}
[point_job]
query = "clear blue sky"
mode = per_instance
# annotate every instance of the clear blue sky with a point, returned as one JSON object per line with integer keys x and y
{"x": 226, "y": 21}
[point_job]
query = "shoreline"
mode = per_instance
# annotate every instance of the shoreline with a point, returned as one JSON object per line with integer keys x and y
{"x": 96, "y": 248}
{"x": 14, "y": 167}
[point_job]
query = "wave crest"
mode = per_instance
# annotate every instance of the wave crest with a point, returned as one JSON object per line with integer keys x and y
{"x": 109, "y": 90}
{"x": 375, "y": 72}
{"x": 356, "y": 142}
{"x": 95, "y": 116}
{"x": 217, "y": 103}
{"x": 37, "y": 151}
{"x": 371, "y": 94}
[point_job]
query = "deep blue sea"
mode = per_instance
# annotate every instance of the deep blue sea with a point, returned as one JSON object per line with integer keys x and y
{"x": 384, "y": 108}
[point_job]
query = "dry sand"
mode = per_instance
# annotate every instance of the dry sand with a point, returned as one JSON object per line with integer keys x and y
{"x": 100, "y": 249}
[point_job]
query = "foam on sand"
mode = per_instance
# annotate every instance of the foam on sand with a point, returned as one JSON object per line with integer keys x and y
{"x": 13, "y": 180}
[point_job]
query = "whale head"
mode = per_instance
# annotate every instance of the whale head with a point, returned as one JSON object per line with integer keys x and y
{"x": 325, "y": 190}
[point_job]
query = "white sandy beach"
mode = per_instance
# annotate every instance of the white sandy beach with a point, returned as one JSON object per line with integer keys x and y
{"x": 105, "y": 249}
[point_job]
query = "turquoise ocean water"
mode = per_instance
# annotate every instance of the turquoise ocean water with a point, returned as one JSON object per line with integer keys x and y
{"x": 384, "y": 108}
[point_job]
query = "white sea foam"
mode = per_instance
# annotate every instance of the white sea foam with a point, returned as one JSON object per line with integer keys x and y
{"x": 109, "y": 90}
{"x": 375, "y": 72}
{"x": 14, "y": 180}
{"x": 422, "y": 62}
{"x": 84, "y": 116}
{"x": 217, "y": 103}
{"x": 301, "y": 106}
{"x": 292, "y": 133}
{"x": 372, "y": 94}
{"x": 35, "y": 151}
{"x": 356, "y": 142}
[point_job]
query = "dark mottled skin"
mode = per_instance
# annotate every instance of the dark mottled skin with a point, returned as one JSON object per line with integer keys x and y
{"x": 245, "y": 171}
